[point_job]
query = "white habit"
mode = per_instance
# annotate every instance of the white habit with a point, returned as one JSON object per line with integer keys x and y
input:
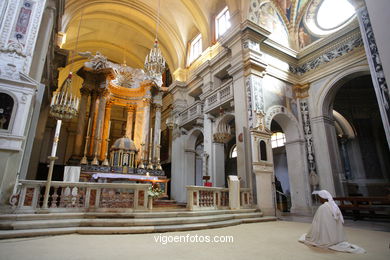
{"x": 327, "y": 229}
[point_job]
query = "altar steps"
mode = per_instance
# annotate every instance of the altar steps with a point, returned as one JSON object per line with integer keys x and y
{"x": 29, "y": 225}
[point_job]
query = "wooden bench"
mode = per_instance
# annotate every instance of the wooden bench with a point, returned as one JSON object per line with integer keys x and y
{"x": 360, "y": 207}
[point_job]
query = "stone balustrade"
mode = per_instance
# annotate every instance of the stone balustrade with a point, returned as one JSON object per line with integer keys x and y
{"x": 219, "y": 96}
{"x": 208, "y": 198}
{"x": 246, "y": 198}
{"x": 82, "y": 197}
{"x": 192, "y": 113}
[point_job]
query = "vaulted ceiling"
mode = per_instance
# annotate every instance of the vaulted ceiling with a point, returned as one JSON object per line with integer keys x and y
{"x": 125, "y": 29}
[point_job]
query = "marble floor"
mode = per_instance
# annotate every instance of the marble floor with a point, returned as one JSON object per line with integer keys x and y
{"x": 268, "y": 241}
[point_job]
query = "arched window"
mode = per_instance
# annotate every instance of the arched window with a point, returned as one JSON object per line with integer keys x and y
{"x": 6, "y": 107}
{"x": 263, "y": 151}
{"x": 278, "y": 139}
{"x": 233, "y": 152}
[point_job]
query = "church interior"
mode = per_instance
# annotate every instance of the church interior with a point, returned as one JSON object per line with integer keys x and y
{"x": 199, "y": 108}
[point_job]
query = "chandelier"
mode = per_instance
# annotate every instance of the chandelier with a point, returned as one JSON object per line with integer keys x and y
{"x": 64, "y": 105}
{"x": 154, "y": 61}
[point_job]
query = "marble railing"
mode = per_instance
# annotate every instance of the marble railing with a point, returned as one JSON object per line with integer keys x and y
{"x": 245, "y": 198}
{"x": 206, "y": 198}
{"x": 82, "y": 196}
{"x": 191, "y": 113}
{"x": 218, "y": 97}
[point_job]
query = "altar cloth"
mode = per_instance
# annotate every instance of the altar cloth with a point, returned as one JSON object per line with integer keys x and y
{"x": 124, "y": 176}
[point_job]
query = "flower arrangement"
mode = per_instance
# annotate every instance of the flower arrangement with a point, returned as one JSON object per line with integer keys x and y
{"x": 154, "y": 191}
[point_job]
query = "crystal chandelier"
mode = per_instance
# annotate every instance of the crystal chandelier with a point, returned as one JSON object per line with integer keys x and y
{"x": 64, "y": 104}
{"x": 154, "y": 61}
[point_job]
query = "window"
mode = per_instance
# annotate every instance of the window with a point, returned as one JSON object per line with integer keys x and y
{"x": 222, "y": 22}
{"x": 278, "y": 139}
{"x": 327, "y": 16}
{"x": 195, "y": 48}
{"x": 263, "y": 151}
{"x": 233, "y": 152}
{"x": 333, "y": 13}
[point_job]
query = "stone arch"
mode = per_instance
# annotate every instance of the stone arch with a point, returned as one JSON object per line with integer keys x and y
{"x": 296, "y": 157}
{"x": 330, "y": 88}
{"x": 273, "y": 111}
{"x": 336, "y": 140}
{"x": 193, "y": 135}
{"x": 191, "y": 155}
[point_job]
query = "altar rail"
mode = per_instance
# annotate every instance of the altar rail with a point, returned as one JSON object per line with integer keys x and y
{"x": 82, "y": 196}
{"x": 208, "y": 198}
{"x": 245, "y": 198}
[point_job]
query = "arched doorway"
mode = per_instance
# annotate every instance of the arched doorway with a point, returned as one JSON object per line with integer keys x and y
{"x": 279, "y": 154}
{"x": 193, "y": 156}
{"x": 292, "y": 167}
{"x": 199, "y": 151}
{"x": 361, "y": 139}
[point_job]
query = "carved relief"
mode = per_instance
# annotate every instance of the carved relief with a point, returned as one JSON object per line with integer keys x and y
{"x": 376, "y": 61}
{"x": 309, "y": 142}
{"x": 327, "y": 57}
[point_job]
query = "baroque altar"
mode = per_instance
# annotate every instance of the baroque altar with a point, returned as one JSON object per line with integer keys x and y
{"x": 135, "y": 157}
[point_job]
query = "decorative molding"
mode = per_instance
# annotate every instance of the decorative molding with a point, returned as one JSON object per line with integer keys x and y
{"x": 301, "y": 91}
{"x": 309, "y": 142}
{"x": 327, "y": 57}
{"x": 376, "y": 69}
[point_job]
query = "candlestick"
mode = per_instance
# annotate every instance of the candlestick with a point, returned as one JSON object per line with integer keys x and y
{"x": 52, "y": 158}
{"x": 56, "y": 138}
{"x": 141, "y": 165}
{"x": 84, "y": 159}
{"x": 98, "y": 141}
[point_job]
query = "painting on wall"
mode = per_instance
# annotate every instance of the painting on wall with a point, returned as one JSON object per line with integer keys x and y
{"x": 304, "y": 37}
{"x": 270, "y": 19}
{"x": 285, "y": 6}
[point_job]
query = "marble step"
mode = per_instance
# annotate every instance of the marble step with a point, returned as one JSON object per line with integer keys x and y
{"x": 119, "y": 222}
{"x": 129, "y": 230}
{"x": 146, "y": 214}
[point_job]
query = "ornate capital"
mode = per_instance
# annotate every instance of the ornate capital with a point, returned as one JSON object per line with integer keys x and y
{"x": 109, "y": 104}
{"x": 84, "y": 91}
{"x": 146, "y": 101}
{"x": 158, "y": 107}
{"x": 301, "y": 91}
{"x": 130, "y": 109}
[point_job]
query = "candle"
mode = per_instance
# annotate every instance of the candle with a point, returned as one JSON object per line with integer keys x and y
{"x": 89, "y": 126}
{"x": 150, "y": 136}
{"x": 56, "y": 138}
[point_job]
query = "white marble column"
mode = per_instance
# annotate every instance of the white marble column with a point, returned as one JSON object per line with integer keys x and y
{"x": 178, "y": 181}
{"x": 218, "y": 157}
{"x": 329, "y": 168}
{"x": 298, "y": 179}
